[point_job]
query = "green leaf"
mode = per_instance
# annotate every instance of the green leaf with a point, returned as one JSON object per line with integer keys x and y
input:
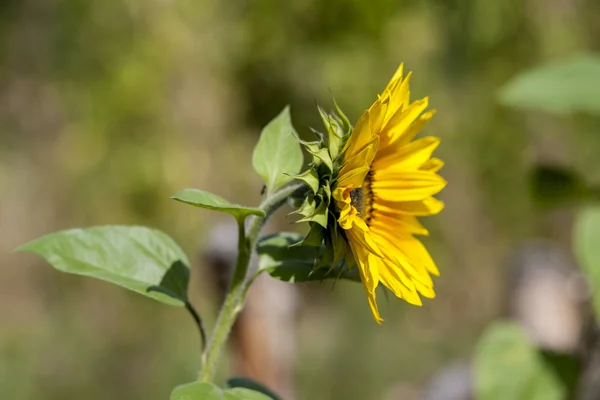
{"x": 571, "y": 85}
{"x": 252, "y": 385}
{"x": 209, "y": 391}
{"x": 211, "y": 201}
{"x": 587, "y": 249}
{"x": 553, "y": 186}
{"x": 175, "y": 282}
{"x": 508, "y": 366}
{"x": 296, "y": 263}
{"x": 137, "y": 258}
{"x": 277, "y": 152}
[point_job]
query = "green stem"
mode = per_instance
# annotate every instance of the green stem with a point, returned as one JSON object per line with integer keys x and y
{"x": 234, "y": 299}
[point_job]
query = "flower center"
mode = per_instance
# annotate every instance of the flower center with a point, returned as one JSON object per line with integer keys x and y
{"x": 362, "y": 198}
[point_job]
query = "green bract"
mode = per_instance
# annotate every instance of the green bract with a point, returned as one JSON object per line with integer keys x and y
{"x": 283, "y": 258}
{"x": 317, "y": 209}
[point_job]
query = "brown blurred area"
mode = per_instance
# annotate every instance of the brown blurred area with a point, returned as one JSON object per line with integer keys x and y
{"x": 107, "y": 108}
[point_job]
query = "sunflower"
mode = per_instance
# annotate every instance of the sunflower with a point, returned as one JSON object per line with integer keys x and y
{"x": 385, "y": 182}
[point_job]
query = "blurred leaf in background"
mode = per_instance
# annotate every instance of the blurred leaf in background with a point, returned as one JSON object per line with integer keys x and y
{"x": 209, "y": 391}
{"x": 571, "y": 85}
{"x": 586, "y": 245}
{"x": 554, "y": 186}
{"x": 508, "y": 366}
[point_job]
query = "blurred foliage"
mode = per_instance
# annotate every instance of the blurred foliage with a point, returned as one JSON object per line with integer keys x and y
{"x": 585, "y": 243}
{"x": 572, "y": 85}
{"x": 554, "y": 186}
{"x": 508, "y": 366}
{"x": 109, "y": 107}
{"x": 208, "y": 391}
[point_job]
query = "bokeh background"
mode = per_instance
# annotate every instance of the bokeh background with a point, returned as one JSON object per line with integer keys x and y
{"x": 108, "y": 108}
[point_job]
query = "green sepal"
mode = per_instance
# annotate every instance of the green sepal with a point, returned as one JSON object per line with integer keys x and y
{"x": 347, "y": 126}
{"x": 296, "y": 263}
{"x": 326, "y": 258}
{"x": 326, "y": 189}
{"x": 321, "y": 155}
{"x": 313, "y": 238}
{"x": 319, "y": 216}
{"x": 310, "y": 177}
{"x": 319, "y": 135}
{"x": 334, "y": 131}
{"x": 307, "y": 208}
{"x": 339, "y": 244}
{"x": 309, "y": 146}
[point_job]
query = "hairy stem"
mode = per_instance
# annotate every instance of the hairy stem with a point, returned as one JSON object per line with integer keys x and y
{"x": 235, "y": 296}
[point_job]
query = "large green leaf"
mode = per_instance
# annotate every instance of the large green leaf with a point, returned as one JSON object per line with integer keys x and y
{"x": 508, "y": 366}
{"x": 277, "y": 154}
{"x": 587, "y": 249}
{"x": 571, "y": 85}
{"x": 288, "y": 263}
{"x": 209, "y": 391}
{"x": 141, "y": 259}
{"x": 211, "y": 201}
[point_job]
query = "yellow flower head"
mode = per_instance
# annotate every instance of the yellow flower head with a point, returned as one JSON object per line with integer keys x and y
{"x": 385, "y": 182}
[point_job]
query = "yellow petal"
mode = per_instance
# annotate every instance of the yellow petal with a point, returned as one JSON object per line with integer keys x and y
{"x": 401, "y": 121}
{"x": 397, "y": 78}
{"x": 395, "y": 253}
{"x": 425, "y": 207}
{"x": 362, "y": 239}
{"x": 411, "y": 248}
{"x": 399, "y": 98}
{"x": 424, "y": 290}
{"x": 360, "y": 137}
{"x": 402, "y": 286}
{"x": 368, "y": 266}
{"x": 356, "y": 168}
{"x": 410, "y": 156}
{"x": 415, "y": 127}
{"x": 432, "y": 165}
{"x": 398, "y": 223}
{"x": 406, "y": 186}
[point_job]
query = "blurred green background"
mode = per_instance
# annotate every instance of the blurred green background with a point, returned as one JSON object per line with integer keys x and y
{"x": 107, "y": 108}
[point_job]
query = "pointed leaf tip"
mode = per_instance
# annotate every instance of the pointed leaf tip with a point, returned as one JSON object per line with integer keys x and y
{"x": 211, "y": 201}
{"x": 277, "y": 152}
